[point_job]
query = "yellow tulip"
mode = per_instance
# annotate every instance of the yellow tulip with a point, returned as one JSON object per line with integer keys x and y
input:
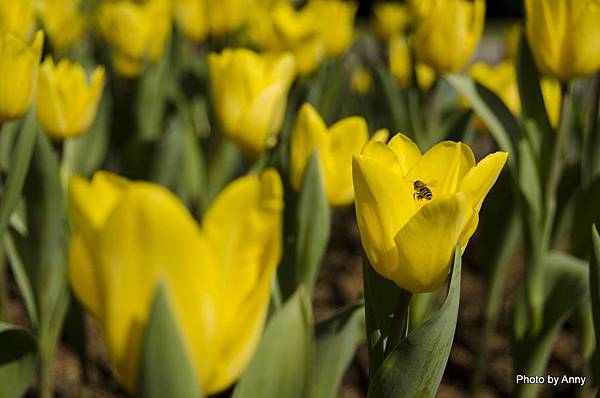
{"x": 401, "y": 67}
{"x": 335, "y": 23}
{"x": 66, "y": 102}
{"x": 226, "y": 16}
{"x": 63, "y": 21}
{"x": 502, "y": 80}
{"x": 281, "y": 28}
{"x": 390, "y": 19}
{"x": 250, "y": 93}
{"x": 18, "y": 74}
{"x": 564, "y": 36}
{"x": 17, "y": 17}
{"x": 400, "y": 62}
{"x": 362, "y": 80}
{"x": 135, "y": 31}
{"x": 408, "y": 238}
{"x": 447, "y": 34}
{"x": 131, "y": 237}
{"x": 191, "y": 17}
{"x": 335, "y": 146}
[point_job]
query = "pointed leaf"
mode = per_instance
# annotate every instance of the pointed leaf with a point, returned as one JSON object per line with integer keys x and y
{"x": 502, "y": 124}
{"x": 18, "y": 169}
{"x": 337, "y": 338}
{"x": 565, "y": 285}
{"x": 416, "y": 366}
{"x": 282, "y": 364}
{"x": 165, "y": 367}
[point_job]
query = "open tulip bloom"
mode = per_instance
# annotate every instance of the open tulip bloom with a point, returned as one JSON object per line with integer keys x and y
{"x": 413, "y": 209}
{"x": 132, "y": 237}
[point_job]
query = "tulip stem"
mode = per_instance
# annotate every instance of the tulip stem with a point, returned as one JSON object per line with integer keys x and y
{"x": 555, "y": 170}
{"x": 399, "y": 325}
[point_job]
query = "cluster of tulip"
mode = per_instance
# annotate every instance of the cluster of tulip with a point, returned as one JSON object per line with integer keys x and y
{"x": 185, "y": 205}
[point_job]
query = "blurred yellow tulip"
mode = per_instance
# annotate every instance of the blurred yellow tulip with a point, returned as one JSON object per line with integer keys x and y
{"x": 249, "y": 93}
{"x": 502, "y": 80}
{"x": 191, "y": 17}
{"x": 401, "y": 66}
{"x": 335, "y": 23}
{"x": 390, "y": 19}
{"x": 564, "y": 36}
{"x": 17, "y": 17}
{"x": 335, "y": 146}
{"x": 400, "y": 62}
{"x": 131, "y": 237}
{"x": 135, "y": 31}
{"x": 362, "y": 80}
{"x": 281, "y": 28}
{"x": 226, "y": 16}
{"x": 448, "y": 33}
{"x": 414, "y": 209}
{"x": 66, "y": 102}
{"x": 63, "y": 21}
{"x": 18, "y": 74}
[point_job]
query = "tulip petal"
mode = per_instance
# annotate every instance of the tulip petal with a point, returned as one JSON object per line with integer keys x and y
{"x": 408, "y": 152}
{"x": 443, "y": 167}
{"x": 308, "y": 134}
{"x": 150, "y": 238}
{"x": 426, "y": 243}
{"x": 346, "y": 138}
{"x": 479, "y": 180}
{"x": 243, "y": 227}
{"x": 384, "y": 203}
{"x": 84, "y": 278}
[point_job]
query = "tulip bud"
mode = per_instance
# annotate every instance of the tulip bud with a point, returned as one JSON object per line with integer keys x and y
{"x": 564, "y": 36}
{"x": 18, "y": 74}
{"x": 66, "y": 102}
{"x": 249, "y": 92}
{"x": 448, "y": 32}
{"x": 335, "y": 146}
{"x": 17, "y": 17}
{"x": 135, "y": 32}
{"x": 131, "y": 237}
{"x": 63, "y": 21}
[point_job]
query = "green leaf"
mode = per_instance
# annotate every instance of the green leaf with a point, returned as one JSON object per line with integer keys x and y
{"x": 20, "y": 274}
{"x": 397, "y": 106}
{"x": 310, "y": 223}
{"x": 8, "y": 135}
{"x": 537, "y": 124}
{"x": 502, "y": 124}
{"x": 17, "y": 360}
{"x": 584, "y": 216}
{"x": 416, "y": 366}
{"x": 18, "y": 169}
{"x": 84, "y": 155}
{"x": 565, "y": 285}
{"x": 282, "y": 364}
{"x": 165, "y": 367}
{"x": 337, "y": 338}
{"x": 151, "y": 98}
{"x": 595, "y": 283}
{"x": 381, "y": 297}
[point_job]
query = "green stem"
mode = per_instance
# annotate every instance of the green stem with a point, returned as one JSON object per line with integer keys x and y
{"x": 399, "y": 325}
{"x": 555, "y": 169}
